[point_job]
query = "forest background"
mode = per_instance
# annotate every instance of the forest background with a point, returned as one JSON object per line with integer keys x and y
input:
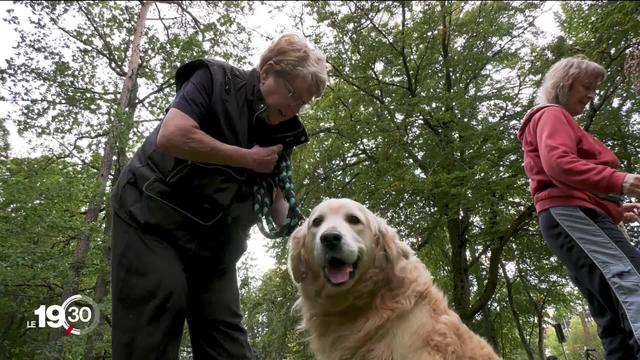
{"x": 418, "y": 123}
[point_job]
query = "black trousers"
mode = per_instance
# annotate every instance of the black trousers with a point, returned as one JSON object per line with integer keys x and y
{"x": 157, "y": 283}
{"x": 604, "y": 266}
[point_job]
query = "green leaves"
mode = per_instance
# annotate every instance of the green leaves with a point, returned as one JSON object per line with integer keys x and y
{"x": 41, "y": 202}
{"x": 419, "y": 124}
{"x": 271, "y": 323}
{"x": 66, "y": 78}
{"x": 424, "y": 114}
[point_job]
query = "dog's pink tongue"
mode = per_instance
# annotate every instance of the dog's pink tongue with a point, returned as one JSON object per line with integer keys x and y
{"x": 339, "y": 274}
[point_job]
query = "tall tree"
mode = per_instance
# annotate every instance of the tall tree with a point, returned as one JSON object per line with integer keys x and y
{"x": 415, "y": 121}
{"x": 97, "y": 91}
{"x": 127, "y": 106}
{"x": 413, "y": 125}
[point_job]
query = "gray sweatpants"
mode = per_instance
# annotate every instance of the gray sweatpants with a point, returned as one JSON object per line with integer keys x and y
{"x": 605, "y": 267}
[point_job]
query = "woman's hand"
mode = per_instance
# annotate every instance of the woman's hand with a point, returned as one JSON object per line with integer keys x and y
{"x": 279, "y": 207}
{"x": 631, "y": 185}
{"x": 631, "y": 213}
{"x": 263, "y": 159}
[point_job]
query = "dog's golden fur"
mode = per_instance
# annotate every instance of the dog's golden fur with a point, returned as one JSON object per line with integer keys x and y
{"x": 389, "y": 309}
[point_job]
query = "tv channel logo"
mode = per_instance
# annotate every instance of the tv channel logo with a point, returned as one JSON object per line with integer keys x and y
{"x": 78, "y": 315}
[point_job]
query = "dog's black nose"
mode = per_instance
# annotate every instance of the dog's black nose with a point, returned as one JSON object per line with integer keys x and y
{"x": 330, "y": 239}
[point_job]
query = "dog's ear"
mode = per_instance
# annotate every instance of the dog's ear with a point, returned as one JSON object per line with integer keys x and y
{"x": 297, "y": 259}
{"x": 388, "y": 241}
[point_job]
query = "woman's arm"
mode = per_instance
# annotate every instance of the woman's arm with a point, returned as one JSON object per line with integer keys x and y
{"x": 182, "y": 137}
{"x": 557, "y": 143}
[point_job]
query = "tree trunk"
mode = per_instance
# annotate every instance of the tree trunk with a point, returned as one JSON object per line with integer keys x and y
{"x": 516, "y": 315}
{"x": 588, "y": 341}
{"x": 126, "y": 108}
{"x": 461, "y": 289}
{"x": 488, "y": 329}
{"x": 95, "y": 205}
{"x": 540, "y": 321}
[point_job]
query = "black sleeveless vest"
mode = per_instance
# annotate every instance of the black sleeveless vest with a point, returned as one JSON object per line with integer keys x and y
{"x": 177, "y": 192}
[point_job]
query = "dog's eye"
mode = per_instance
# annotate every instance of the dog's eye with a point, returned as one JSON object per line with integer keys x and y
{"x": 353, "y": 220}
{"x": 317, "y": 221}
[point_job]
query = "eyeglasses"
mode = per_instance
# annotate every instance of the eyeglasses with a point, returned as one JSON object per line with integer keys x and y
{"x": 295, "y": 99}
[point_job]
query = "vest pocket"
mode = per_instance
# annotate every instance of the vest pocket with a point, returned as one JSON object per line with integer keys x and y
{"x": 197, "y": 191}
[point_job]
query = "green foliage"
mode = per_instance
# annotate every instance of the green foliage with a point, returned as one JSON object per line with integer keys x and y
{"x": 575, "y": 346}
{"x": 413, "y": 126}
{"x": 69, "y": 89}
{"x": 418, "y": 123}
{"x": 66, "y": 79}
{"x": 41, "y": 202}
{"x": 269, "y": 318}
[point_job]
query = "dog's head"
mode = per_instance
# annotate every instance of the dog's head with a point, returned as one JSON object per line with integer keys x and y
{"x": 342, "y": 243}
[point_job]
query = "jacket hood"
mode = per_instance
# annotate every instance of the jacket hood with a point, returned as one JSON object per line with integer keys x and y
{"x": 529, "y": 115}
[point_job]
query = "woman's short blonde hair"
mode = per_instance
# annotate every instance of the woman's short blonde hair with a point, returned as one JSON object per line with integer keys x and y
{"x": 558, "y": 80}
{"x": 293, "y": 57}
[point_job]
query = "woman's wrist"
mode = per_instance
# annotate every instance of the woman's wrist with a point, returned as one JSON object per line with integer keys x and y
{"x": 625, "y": 183}
{"x": 242, "y": 157}
{"x": 631, "y": 185}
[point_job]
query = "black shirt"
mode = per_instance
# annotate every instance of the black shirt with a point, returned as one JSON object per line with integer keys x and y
{"x": 195, "y": 95}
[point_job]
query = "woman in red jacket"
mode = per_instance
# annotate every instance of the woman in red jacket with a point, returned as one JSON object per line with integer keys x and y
{"x": 577, "y": 192}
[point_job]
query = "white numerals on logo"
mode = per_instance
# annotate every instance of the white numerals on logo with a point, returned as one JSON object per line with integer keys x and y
{"x": 79, "y": 314}
{"x": 53, "y": 313}
{"x": 84, "y": 314}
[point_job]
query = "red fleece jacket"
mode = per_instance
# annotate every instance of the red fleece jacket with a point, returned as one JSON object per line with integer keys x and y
{"x": 565, "y": 164}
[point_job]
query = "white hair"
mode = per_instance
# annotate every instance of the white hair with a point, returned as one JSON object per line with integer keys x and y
{"x": 292, "y": 56}
{"x": 557, "y": 81}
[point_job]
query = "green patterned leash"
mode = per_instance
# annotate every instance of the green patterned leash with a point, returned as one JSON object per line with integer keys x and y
{"x": 263, "y": 193}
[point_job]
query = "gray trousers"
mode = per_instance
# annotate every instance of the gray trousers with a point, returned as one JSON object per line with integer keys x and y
{"x": 605, "y": 267}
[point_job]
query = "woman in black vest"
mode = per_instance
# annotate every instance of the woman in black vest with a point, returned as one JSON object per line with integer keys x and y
{"x": 184, "y": 204}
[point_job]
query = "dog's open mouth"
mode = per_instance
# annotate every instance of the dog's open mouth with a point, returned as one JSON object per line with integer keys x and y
{"x": 339, "y": 272}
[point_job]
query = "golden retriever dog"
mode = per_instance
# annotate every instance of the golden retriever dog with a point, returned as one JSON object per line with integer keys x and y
{"x": 365, "y": 295}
